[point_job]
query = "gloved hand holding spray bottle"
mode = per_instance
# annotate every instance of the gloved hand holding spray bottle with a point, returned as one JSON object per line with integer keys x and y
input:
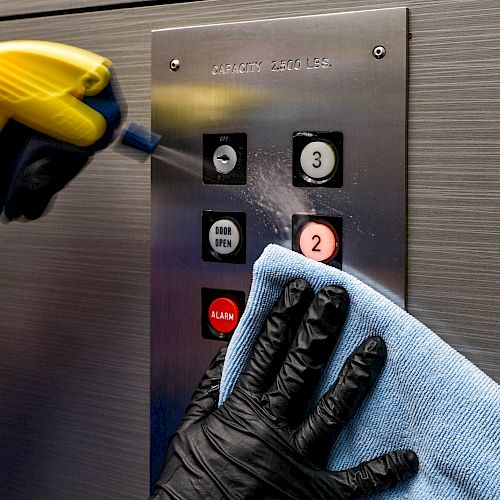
{"x": 59, "y": 105}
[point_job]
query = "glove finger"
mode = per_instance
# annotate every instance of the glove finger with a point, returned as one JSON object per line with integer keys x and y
{"x": 322, "y": 426}
{"x": 279, "y": 331}
{"x": 375, "y": 475}
{"x": 310, "y": 350}
{"x": 206, "y": 395}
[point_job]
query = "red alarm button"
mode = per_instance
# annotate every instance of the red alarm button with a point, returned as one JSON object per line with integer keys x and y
{"x": 223, "y": 315}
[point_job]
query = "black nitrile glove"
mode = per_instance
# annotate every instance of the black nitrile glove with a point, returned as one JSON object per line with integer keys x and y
{"x": 259, "y": 444}
{"x": 33, "y": 169}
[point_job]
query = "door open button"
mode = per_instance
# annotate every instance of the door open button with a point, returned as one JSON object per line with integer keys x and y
{"x": 224, "y": 236}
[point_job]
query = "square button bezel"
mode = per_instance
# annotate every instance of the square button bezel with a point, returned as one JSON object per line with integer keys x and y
{"x": 335, "y": 222}
{"x": 300, "y": 141}
{"x": 208, "y": 295}
{"x": 237, "y": 176}
{"x": 209, "y": 217}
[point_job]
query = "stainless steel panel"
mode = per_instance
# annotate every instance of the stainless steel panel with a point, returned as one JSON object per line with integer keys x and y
{"x": 229, "y": 81}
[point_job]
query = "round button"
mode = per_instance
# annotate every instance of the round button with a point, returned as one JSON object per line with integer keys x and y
{"x": 318, "y": 160}
{"x": 223, "y": 315}
{"x": 224, "y": 236}
{"x": 318, "y": 241}
{"x": 225, "y": 159}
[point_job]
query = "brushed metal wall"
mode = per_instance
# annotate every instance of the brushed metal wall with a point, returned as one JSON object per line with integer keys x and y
{"x": 27, "y": 7}
{"x": 74, "y": 286}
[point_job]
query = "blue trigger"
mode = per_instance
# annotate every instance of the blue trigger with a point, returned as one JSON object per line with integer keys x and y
{"x": 106, "y": 104}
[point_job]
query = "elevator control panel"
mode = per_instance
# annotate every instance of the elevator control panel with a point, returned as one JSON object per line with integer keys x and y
{"x": 288, "y": 131}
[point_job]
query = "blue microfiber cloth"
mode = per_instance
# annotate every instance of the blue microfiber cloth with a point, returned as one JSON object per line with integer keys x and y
{"x": 429, "y": 398}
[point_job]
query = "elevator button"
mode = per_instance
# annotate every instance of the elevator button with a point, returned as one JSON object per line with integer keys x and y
{"x": 318, "y": 241}
{"x": 224, "y": 236}
{"x": 223, "y": 315}
{"x": 318, "y": 160}
{"x": 221, "y": 311}
{"x": 225, "y": 159}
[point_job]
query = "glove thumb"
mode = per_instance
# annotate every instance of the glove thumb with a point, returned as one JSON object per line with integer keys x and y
{"x": 206, "y": 396}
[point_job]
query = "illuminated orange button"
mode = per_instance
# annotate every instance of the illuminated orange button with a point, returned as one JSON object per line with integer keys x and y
{"x": 223, "y": 315}
{"x": 319, "y": 241}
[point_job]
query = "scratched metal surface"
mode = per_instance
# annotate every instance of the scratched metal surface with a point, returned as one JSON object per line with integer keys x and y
{"x": 74, "y": 307}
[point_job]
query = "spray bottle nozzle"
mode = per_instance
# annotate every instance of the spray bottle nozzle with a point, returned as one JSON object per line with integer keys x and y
{"x": 138, "y": 137}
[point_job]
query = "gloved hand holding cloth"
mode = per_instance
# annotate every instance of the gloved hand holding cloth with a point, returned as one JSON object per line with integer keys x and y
{"x": 264, "y": 442}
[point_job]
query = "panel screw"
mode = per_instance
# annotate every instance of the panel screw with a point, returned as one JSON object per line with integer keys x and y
{"x": 175, "y": 64}
{"x": 378, "y": 52}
